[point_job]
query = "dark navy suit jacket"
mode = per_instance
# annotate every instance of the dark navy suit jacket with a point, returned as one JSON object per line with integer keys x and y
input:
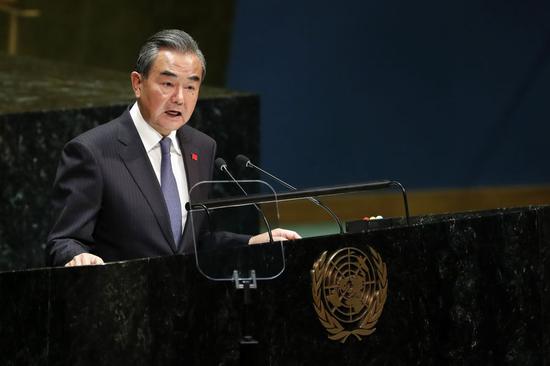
{"x": 107, "y": 200}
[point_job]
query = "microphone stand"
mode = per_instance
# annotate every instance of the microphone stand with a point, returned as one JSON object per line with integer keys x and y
{"x": 248, "y": 164}
{"x": 222, "y": 165}
{"x": 248, "y": 346}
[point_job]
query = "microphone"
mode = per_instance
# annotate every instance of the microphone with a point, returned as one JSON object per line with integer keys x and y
{"x": 222, "y": 165}
{"x": 244, "y": 161}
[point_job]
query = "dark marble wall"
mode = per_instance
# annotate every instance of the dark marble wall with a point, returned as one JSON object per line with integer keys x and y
{"x": 469, "y": 290}
{"x": 30, "y": 146}
{"x": 44, "y": 104}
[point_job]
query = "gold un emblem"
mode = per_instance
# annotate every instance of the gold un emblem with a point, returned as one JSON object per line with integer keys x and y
{"x": 349, "y": 291}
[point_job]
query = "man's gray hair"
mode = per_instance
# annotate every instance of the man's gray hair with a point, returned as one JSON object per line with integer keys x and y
{"x": 173, "y": 39}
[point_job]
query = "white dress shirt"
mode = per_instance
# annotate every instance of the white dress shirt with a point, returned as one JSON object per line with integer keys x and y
{"x": 151, "y": 141}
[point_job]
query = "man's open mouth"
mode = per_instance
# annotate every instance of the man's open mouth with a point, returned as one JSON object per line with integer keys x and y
{"x": 173, "y": 113}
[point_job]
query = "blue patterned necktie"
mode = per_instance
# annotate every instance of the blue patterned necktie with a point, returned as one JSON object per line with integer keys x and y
{"x": 170, "y": 189}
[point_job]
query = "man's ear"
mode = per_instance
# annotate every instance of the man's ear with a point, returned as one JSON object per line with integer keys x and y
{"x": 136, "y": 79}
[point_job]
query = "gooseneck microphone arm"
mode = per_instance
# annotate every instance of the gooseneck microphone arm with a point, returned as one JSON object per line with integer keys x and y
{"x": 244, "y": 161}
{"x": 222, "y": 165}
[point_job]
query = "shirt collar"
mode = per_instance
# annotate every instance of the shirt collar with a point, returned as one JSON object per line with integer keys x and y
{"x": 149, "y": 136}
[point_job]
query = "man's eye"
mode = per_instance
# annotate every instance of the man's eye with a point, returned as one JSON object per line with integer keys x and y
{"x": 167, "y": 84}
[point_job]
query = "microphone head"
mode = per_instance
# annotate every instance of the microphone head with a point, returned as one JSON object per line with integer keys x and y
{"x": 220, "y": 164}
{"x": 242, "y": 161}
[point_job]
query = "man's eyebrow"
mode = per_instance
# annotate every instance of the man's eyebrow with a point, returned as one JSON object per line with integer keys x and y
{"x": 168, "y": 73}
{"x": 171, "y": 74}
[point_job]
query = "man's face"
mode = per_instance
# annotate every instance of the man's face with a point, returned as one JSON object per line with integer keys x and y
{"x": 168, "y": 95}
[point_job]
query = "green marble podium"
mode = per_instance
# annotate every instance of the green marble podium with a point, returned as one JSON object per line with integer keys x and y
{"x": 464, "y": 289}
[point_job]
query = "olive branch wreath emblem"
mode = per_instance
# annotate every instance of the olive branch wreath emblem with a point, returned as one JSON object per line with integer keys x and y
{"x": 372, "y": 299}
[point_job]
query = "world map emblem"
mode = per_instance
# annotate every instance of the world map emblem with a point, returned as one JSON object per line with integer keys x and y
{"x": 349, "y": 291}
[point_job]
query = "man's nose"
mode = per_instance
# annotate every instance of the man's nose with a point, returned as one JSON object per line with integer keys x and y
{"x": 177, "y": 97}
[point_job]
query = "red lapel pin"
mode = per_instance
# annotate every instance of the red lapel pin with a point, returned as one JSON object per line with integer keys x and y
{"x": 194, "y": 156}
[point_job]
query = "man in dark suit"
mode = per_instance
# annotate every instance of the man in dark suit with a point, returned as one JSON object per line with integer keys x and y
{"x": 121, "y": 187}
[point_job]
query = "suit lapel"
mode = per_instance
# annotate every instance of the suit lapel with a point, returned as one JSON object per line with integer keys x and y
{"x": 135, "y": 159}
{"x": 191, "y": 157}
{"x": 191, "y": 160}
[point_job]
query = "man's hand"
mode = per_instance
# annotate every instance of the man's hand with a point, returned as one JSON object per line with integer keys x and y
{"x": 278, "y": 235}
{"x": 84, "y": 259}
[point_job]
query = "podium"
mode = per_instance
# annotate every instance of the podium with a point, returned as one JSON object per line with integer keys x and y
{"x": 466, "y": 288}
